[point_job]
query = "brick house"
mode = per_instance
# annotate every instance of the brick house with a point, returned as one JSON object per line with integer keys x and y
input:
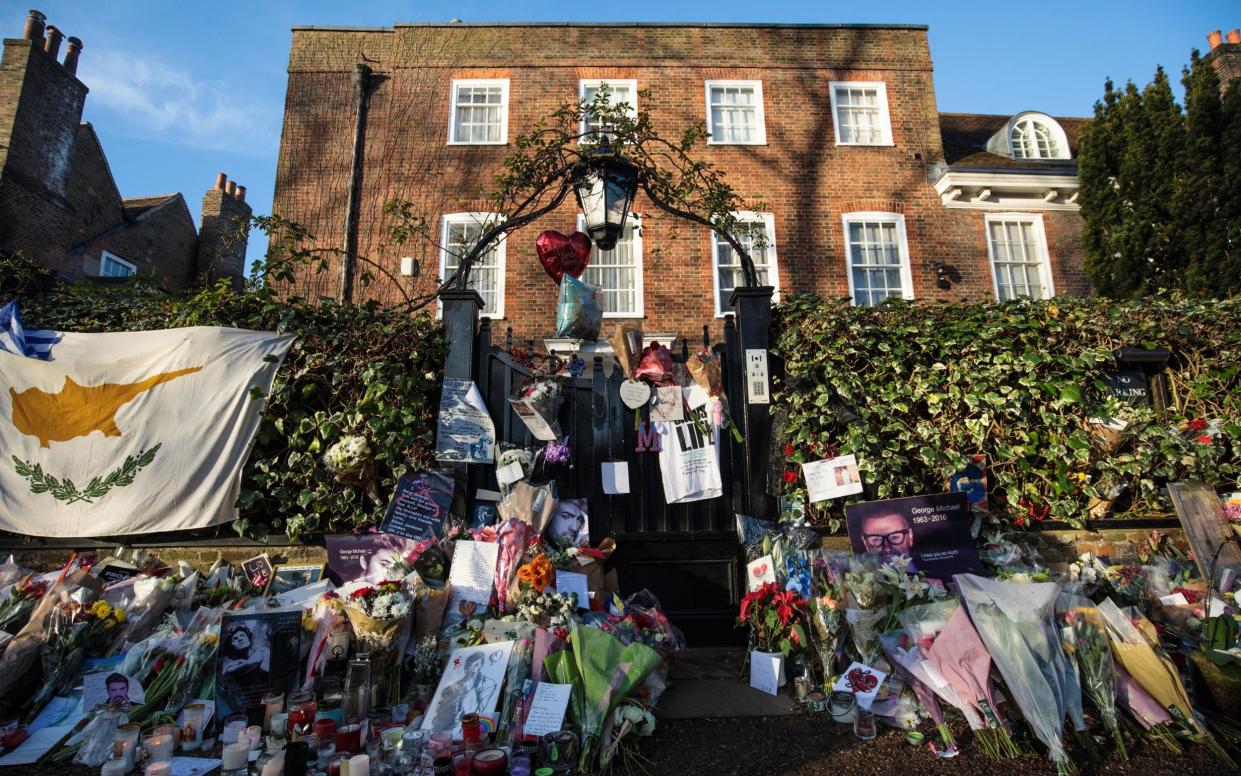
{"x": 61, "y": 207}
{"x": 867, "y": 191}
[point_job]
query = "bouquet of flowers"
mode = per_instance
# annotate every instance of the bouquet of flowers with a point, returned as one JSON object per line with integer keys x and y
{"x": 427, "y": 667}
{"x": 543, "y": 395}
{"x": 352, "y": 462}
{"x": 547, "y": 608}
{"x": 514, "y": 536}
{"x": 655, "y": 365}
{"x": 774, "y": 617}
{"x": 378, "y": 614}
{"x": 826, "y": 612}
{"x": 1016, "y": 622}
{"x": 1085, "y": 640}
{"x": 15, "y": 610}
{"x": 640, "y": 619}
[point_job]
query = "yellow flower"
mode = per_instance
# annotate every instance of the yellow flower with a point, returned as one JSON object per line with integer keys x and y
{"x": 101, "y": 609}
{"x": 119, "y": 614}
{"x": 1053, "y": 311}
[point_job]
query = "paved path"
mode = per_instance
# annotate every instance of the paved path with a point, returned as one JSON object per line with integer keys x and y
{"x": 706, "y": 682}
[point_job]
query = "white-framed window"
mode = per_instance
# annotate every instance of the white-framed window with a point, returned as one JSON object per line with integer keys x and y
{"x": 735, "y": 113}
{"x": 113, "y": 266}
{"x": 1017, "y": 249}
{"x": 878, "y": 256}
{"x": 459, "y": 232}
{"x": 860, "y": 113}
{"x": 478, "y": 113}
{"x": 1036, "y": 136}
{"x": 618, "y": 272}
{"x": 619, "y": 91}
{"x": 727, "y": 265}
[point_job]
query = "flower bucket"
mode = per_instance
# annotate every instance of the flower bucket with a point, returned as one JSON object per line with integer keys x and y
{"x": 779, "y": 657}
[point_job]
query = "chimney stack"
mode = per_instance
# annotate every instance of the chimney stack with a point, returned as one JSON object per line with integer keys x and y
{"x": 241, "y": 194}
{"x": 52, "y": 44}
{"x": 35, "y": 23}
{"x": 223, "y": 233}
{"x": 231, "y": 189}
{"x": 73, "y": 51}
{"x": 221, "y": 180}
{"x": 1234, "y": 35}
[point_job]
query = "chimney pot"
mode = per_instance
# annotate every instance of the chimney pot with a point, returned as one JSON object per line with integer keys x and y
{"x": 231, "y": 188}
{"x": 241, "y": 193}
{"x": 72, "y": 52}
{"x": 35, "y": 23}
{"x": 221, "y": 180}
{"x": 52, "y": 44}
{"x": 1234, "y": 35}
{"x": 1214, "y": 39}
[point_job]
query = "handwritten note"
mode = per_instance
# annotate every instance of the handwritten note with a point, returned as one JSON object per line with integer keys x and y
{"x": 615, "y": 476}
{"x": 759, "y": 572}
{"x": 473, "y": 573}
{"x": 507, "y": 475}
{"x": 572, "y": 582}
{"x": 765, "y": 670}
{"x": 547, "y": 708}
{"x": 465, "y": 431}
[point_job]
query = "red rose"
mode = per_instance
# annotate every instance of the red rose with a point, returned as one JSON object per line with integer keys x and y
{"x": 361, "y": 592}
{"x": 1197, "y": 424}
{"x": 1020, "y": 520}
{"x": 788, "y": 450}
{"x": 790, "y": 476}
{"x": 1204, "y": 440}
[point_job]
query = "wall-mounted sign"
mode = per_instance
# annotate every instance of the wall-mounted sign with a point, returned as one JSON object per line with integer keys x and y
{"x": 1129, "y": 386}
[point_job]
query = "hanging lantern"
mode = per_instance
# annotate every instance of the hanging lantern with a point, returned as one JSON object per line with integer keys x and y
{"x": 605, "y": 184}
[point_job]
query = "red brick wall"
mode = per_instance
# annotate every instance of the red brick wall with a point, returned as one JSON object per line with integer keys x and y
{"x": 803, "y": 178}
{"x": 40, "y": 107}
{"x": 162, "y": 242}
{"x": 223, "y": 237}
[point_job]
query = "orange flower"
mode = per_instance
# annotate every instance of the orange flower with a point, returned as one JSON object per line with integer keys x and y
{"x": 537, "y": 573}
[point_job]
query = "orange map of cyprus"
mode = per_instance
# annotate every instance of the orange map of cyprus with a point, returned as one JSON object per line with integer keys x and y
{"x": 78, "y": 410}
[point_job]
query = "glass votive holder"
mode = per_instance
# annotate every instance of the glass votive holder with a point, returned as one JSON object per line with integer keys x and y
{"x": 159, "y": 768}
{"x": 233, "y": 727}
{"x": 253, "y": 736}
{"x": 126, "y": 746}
{"x": 333, "y": 763}
{"x": 236, "y": 758}
{"x": 441, "y": 745}
{"x": 195, "y": 717}
{"x": 312, "y": 748}
{"x": 114, "y": 767}
{"x": 158, "y": 747}
{"x": 302, "y": 710}
{"x": 864, "y": 726}
{"x": 349, "y": 738}
{"x": 273, "y": 703}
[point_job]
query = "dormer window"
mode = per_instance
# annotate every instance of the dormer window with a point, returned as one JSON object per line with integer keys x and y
{"x": 1036, "y": 136}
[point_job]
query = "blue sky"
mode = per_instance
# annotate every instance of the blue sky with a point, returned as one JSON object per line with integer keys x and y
{"x": 182, "y": 90}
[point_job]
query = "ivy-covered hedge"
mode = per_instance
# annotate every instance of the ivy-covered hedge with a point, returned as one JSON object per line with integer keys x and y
{"x": 913, "y": 389}
{"x": 353, "y": 370}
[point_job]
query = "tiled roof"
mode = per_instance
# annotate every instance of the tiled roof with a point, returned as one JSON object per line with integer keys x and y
{"x": 135, "y": 207}
{"x": 965, "y": 137}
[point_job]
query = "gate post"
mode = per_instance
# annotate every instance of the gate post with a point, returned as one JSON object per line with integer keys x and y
{"x": 460, "y": 319}
{"x": 753, "y": 310}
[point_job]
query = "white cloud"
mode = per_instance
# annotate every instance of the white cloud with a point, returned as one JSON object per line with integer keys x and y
{"x": 147, "y": 98}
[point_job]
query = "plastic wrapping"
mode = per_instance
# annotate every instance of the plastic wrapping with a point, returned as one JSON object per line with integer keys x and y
{"x": 626, "y": 342}
{"x": 1085, "y": 639}
{"x": 579, "y": 313}
{"x": 707, "y": 372}
{"x": 655, "y": 364}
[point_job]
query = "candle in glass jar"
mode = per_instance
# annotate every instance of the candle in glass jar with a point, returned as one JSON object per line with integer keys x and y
{"x": 302, "y": 710}
{"x": 234, "y": 726}
{"x": 253, "y": 736}
{"x": 159, "y": 747}
{"x": 161, "y": 768}
{"x": 114, "y": 767}
{"x": 236, "y": 755}
{"x": 274, "y": 766}
{"x": 279, "y": 724}
{"x": 126, "y": 746}
{"x": 360, "y": 764}
{"x": 349, "y": 738}
{"x": 195, "y": 716}
{"x": 273, "y": 704}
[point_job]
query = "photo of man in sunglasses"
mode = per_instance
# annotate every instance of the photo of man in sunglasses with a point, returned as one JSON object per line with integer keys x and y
{"x": 888, "y": 535}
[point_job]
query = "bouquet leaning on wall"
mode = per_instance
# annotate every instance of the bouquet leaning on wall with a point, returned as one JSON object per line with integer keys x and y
{"x": 378, "y": 615}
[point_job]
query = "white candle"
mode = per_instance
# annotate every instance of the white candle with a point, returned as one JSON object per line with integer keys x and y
{"x": 233, "y": 730}
{"x": 114, "y": 767}
{"x": 359, "y": 765}
{"x": 236, "y": 756}
{"x": 159, "y": 747}
{"x": 254, "y": 736}
{"x": 275, "y": 766}
{"x": 162, "y": 768}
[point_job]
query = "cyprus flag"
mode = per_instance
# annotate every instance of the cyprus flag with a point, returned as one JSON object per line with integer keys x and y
{"x": 133, "y": 432}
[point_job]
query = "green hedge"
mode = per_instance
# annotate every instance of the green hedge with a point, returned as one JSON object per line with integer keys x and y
{"x": 912, "y": 389}
{"x": 352, "y": 370}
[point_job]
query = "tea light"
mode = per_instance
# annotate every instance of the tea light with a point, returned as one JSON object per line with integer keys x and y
{"x": 159, "y": 748}
{"x": 490, "y": 762}
{"x": 161, "y": 768}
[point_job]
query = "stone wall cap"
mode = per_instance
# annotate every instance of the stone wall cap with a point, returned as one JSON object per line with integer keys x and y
{"x": 687, "y": 25}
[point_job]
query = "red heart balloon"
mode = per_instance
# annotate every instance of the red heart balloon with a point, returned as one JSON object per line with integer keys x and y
{"x": 563, "y": 254}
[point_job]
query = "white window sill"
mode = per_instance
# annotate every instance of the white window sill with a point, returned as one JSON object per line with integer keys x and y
{"x": 490, "y": 143}
{"x": 626, "y": 316}
{"x": 736, "y": 143}
{"x": 866, "y": 145}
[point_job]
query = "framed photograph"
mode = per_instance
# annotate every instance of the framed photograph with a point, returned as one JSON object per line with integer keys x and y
{"x": 258, "y": 570}
{"x": 932, "y": 531}
{"x": 259, "y": 653}
{"x": 288, "y": 577}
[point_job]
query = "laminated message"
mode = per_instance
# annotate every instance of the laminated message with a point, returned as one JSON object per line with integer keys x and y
{"x": 465, "y": 432}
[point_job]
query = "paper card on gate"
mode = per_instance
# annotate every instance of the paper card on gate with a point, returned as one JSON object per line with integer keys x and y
{"x": 861, "y": 680}
{"x": 572, "y": 582}
{"x": 832, "y": 478}
{"x": 696, "y": 396}
{"x": 510, "y": 473}
{"x": 759, "y": 572}
{"x": 465, "y": 431}
{"x": 669, "y": 405}
{"x": 615, "y": 477}
{"x": 765, "y": 672}
{"x": 547, "y": 708}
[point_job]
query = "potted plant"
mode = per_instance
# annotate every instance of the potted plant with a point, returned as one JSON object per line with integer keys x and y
{"x": 775, "y": 618}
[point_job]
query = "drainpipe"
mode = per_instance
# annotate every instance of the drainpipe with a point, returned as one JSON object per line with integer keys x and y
{"x": 361, "y": 89}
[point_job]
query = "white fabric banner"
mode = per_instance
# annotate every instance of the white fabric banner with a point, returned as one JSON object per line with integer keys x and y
{"x": 127, "y": 433}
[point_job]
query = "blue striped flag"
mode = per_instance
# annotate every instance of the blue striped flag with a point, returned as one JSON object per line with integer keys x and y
{"x": 36, "y": 343}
